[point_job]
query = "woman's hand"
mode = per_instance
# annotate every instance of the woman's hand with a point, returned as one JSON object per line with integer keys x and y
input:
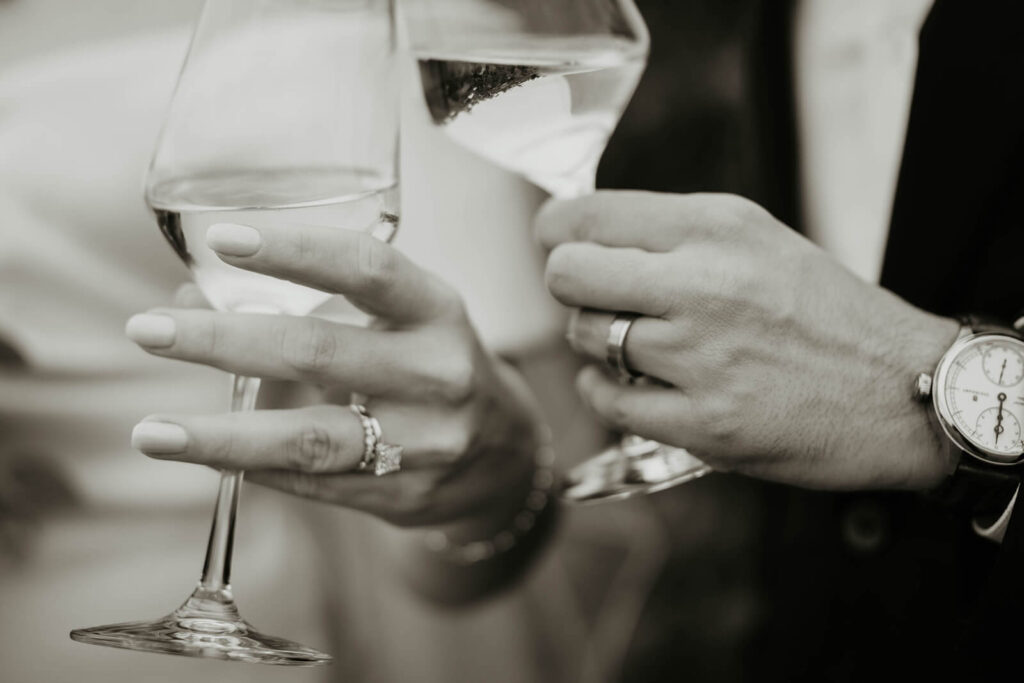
{"x": 466, "y": 422}
{"x": 776, "y": 361}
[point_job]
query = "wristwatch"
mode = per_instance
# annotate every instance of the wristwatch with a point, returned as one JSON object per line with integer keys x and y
{"x": 977, "y": 391}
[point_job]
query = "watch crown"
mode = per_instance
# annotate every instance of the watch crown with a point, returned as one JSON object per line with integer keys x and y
{"x": 923, "y": 386}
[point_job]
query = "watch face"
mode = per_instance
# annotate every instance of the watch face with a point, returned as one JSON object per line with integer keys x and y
{"x": 982, "y": 385}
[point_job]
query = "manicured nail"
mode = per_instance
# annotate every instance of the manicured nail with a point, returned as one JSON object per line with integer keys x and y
{"x": 232, "y": 239}
{"x": 150, "y": 329}
{"x": 159, "y": 438}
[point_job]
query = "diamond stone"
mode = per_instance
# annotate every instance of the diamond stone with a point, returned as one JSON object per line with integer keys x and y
{"x": 389, "y": 459}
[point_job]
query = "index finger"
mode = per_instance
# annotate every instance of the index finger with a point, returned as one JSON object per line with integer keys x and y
{"x": 653, "y": 221}
{"x": 371, "y": 274}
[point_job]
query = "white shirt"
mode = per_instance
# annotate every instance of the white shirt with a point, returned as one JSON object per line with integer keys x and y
{"x": 854, "y": 65}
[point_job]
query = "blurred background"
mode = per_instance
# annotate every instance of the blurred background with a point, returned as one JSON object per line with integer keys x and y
{"x": 91, "y": 532}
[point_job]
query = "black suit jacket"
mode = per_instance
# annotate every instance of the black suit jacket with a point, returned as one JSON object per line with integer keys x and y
{"x": 853, "y": 586}
{"x": 919, "y": 591}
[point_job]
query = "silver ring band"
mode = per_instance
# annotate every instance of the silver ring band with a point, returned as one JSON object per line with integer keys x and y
{"x": 371, "y": 435}
{"x": 615, "y": 347}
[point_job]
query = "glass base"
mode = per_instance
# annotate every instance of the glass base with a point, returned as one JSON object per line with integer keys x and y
{"x": 207, "y": 625}
{"x": 635, "y": 466}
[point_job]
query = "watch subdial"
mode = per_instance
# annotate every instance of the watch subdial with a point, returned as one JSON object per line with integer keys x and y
{"x": 1003, "y": 365}
{"x": 1002, "y": 434}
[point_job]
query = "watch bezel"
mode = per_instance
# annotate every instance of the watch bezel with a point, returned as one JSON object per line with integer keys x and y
{"x": 942, "y": 408}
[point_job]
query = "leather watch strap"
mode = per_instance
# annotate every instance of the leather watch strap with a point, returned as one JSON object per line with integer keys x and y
{"x": 979, "y": 490}
{"x": 984, "y": 324}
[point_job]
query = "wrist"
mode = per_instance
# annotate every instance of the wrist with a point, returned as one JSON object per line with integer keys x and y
{"x": 511, "y": 516}
{"x": 932, "y": 337}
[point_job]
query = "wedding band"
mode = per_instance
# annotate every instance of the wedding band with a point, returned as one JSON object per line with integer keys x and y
{"x": 378, "y": 456}
{"x": 616, "y": 343}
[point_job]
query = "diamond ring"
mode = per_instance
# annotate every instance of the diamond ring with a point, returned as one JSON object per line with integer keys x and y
{"x": 378, "y": 456}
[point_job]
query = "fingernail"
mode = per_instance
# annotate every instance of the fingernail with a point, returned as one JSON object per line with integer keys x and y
{"x": 159, "y": 438}
{"x": 232, "y": 239}
{"x": 149, "y": 329}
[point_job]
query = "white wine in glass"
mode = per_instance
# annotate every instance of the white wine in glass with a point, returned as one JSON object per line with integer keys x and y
{"x": 537, "y": 87}
{"x": 285, "y": 113}
{"x": 337, "y": 198}
{"x": 547, "y": 116}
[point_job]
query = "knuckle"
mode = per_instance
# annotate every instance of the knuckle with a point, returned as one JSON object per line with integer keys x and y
{"x": 455, "y": 380}
{"x": 297, "y": 248}
{"x": 722, "y": 212}
{"x": 745, "y": 284}
{"x": 207, "y": 337}
{"x": 375, "y": 264}
{"x": 222, "y": 450}
{"x": 720, "y": 419}
{"x": 306, "y": 248}
{"x": 313, "y": 450}
{"x": 308, "y": 345}
{"x": 685, "y": 335}
{"x": 452, "y": 377}
{"x": 592, "y": 211}
{"x": 461, "y": 379}
{"x": 731, "y": 292}
{"x": 739, "y": 212}
{"x": 668, "y": 301}
{"x": 739, "y": 205}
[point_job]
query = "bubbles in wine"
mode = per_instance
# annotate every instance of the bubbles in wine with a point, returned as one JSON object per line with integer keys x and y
{"x": 546, "y": 114}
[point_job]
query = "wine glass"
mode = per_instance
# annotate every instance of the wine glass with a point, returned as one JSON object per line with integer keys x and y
{"x": 537, "y": 87}
{"x": 285, "y": 113}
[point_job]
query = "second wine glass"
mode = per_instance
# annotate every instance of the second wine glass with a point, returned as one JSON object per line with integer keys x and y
{"x": 537, "y": 87}
{"x": 285, "y": 114}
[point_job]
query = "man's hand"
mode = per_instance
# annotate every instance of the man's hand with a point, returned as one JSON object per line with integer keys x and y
{"x": 776, "y": 361}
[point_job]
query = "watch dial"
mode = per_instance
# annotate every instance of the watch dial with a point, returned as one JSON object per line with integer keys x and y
{"x": 984, "y": 393}
{"x": 1003, "y": 365}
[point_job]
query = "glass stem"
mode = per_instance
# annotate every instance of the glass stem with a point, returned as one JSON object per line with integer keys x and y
{"x": 217, "y": 567}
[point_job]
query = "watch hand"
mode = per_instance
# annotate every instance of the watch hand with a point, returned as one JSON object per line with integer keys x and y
{"x": 1001, "y": 371}
{"x": 999, "y": 416}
